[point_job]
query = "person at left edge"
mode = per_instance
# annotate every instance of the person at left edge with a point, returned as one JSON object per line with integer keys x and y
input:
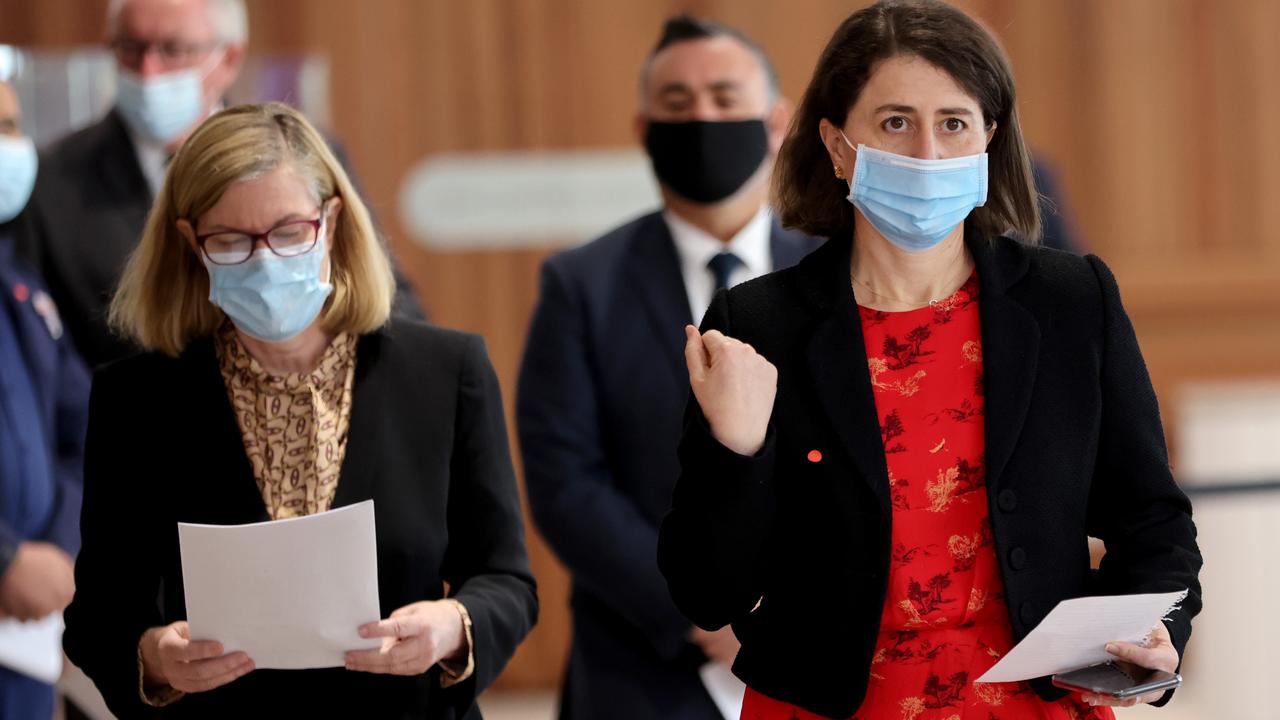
{"x": 44, "y": 402}
{"x": 174, "y": 61}
{"x": 276, "y": 384}
{"x": 602, "y": 385}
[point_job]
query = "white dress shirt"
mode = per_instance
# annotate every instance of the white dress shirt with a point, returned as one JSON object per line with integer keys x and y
{"x": 152, "y": 158}
{"x": 695, "y": 248}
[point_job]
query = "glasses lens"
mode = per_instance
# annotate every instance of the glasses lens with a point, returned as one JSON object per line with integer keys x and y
{"x": 292, "y": 239}
{"x": 228, "y": 248}
{"x": 128, "y": 51}
{"x": 172, "y": 51}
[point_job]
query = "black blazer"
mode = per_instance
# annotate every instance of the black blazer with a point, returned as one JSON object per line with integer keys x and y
{"x": 85, "y": 217}
{"x": 1074, "y": 448}
{"x": 427, "y": 443}
{"x": 601, "y": 394}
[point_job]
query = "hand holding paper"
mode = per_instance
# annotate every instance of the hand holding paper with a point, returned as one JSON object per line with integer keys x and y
{"x": 414, "y": 638}
{"x": 1157, "y": 654}
{"x": 1076, "y": 634}
{"x": 170, "y": 657}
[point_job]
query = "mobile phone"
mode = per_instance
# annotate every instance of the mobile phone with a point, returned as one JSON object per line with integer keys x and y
{"x": 1112, "y": 680}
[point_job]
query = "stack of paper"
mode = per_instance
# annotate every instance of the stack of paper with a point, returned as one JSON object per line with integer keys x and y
{"x": 290, "y": 593}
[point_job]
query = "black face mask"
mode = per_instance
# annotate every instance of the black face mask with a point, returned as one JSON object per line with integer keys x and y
{"x": 706, "y": 162}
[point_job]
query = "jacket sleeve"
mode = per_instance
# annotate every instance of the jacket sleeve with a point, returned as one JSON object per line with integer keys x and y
{"x": 1135, "y": 506}
{"x": 722, "y": 512}
{"x": 71, "y": 417}
{"x": 116, "y": 583}
{"x": 485, "y": 564}
{"x": 608, "y": 545}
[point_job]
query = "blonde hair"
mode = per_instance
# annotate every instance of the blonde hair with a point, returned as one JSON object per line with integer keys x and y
{"x": 163, "y": 298}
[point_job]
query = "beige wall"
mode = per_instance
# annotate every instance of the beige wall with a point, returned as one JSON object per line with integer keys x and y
{"x": 1161, "y": 116}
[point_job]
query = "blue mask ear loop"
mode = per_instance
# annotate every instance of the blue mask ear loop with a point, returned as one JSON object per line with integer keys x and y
{"x": 855, "y": 152}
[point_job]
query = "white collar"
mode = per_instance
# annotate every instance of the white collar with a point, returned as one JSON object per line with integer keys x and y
{"x": 696, "y": 248}
{"x": 152, "y": 159}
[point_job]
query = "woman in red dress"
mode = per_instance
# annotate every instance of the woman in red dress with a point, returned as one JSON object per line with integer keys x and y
{"x": 900, "y": 446}
{"x": 945, "y": 621}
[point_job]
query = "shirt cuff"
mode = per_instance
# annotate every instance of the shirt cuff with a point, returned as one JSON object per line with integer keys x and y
{"x": 155, "y": 696}
{"x": 455, "y": 671}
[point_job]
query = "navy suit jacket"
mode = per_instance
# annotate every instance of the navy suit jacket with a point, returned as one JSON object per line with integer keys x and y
{"x": 601, "y": 395}
{"x": 61, "y": 387}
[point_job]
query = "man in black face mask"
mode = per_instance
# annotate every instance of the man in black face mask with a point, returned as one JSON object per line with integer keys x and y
{"x": 603, "y": 384}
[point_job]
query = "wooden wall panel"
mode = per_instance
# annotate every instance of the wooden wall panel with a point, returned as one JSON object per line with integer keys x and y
{"x": 1158, "y": 114}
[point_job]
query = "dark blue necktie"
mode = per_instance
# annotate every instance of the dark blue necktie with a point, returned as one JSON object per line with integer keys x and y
{"x": 722, "y": 266}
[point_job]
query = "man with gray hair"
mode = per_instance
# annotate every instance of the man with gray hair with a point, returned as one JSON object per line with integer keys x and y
{"x": 175, "y": 60}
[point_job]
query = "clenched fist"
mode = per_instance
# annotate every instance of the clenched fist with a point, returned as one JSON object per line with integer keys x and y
{"x": 39, "y": 581}
{"x": 735, "y": 387}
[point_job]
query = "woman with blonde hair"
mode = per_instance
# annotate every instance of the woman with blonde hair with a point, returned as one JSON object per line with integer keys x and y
{"x": 275, "y": 385}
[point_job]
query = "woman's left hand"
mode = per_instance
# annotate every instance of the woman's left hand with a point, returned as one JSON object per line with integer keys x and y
{"x": 414, "y": 638}
{"x": 1157, "y": 654}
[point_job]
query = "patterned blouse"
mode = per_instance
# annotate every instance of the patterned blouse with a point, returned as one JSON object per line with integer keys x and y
{"x": 294, "y": 426}
{"x": 944, "y": 621}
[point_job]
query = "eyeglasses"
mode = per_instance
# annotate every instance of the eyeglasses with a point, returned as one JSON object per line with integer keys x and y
{"x": 288, "y": 239}
{"x": 171, "y": 53}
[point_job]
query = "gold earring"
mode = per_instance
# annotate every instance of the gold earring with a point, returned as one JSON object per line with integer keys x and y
{"x": 839, "y": 172}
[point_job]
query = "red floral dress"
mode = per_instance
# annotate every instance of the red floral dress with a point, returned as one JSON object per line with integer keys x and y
{"x": 944, "y": 621}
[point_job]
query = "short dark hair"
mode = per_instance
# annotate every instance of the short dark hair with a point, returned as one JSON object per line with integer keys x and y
{"x": 683, "y": 28}
{"x": 807, "y": 197}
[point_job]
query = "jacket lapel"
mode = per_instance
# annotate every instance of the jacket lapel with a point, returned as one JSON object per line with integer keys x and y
{"x": 1010, "y": 348}
{"x": 231, "y": 487}
{"x": 837, "y": 357}
{"x": 655, "y": 273}
{"x": 360, "y": 463}
{"x": 837, "y": 361}
{"x": 120, "y": 172}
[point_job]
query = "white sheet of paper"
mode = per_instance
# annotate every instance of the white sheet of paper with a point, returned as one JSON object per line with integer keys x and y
{"x": 1075, "y": 633}
{"x": 33, "y": 648}
{"x": 725, "y": 689}
{"x": 290, "y": 593}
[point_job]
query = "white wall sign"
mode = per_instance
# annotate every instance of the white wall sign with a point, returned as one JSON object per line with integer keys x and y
{"x": 468, "y": 201}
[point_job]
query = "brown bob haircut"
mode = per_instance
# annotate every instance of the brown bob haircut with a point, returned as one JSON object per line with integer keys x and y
{"x": 808, "y": 198}
{"x": 163, "y": 299}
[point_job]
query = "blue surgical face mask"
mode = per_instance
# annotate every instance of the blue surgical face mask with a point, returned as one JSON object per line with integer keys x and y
{"x": 916, "y": 203}
{"x": 160, "y": 107}
{"x": 270, "y": 297}
{"x": 18, "y": 162}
